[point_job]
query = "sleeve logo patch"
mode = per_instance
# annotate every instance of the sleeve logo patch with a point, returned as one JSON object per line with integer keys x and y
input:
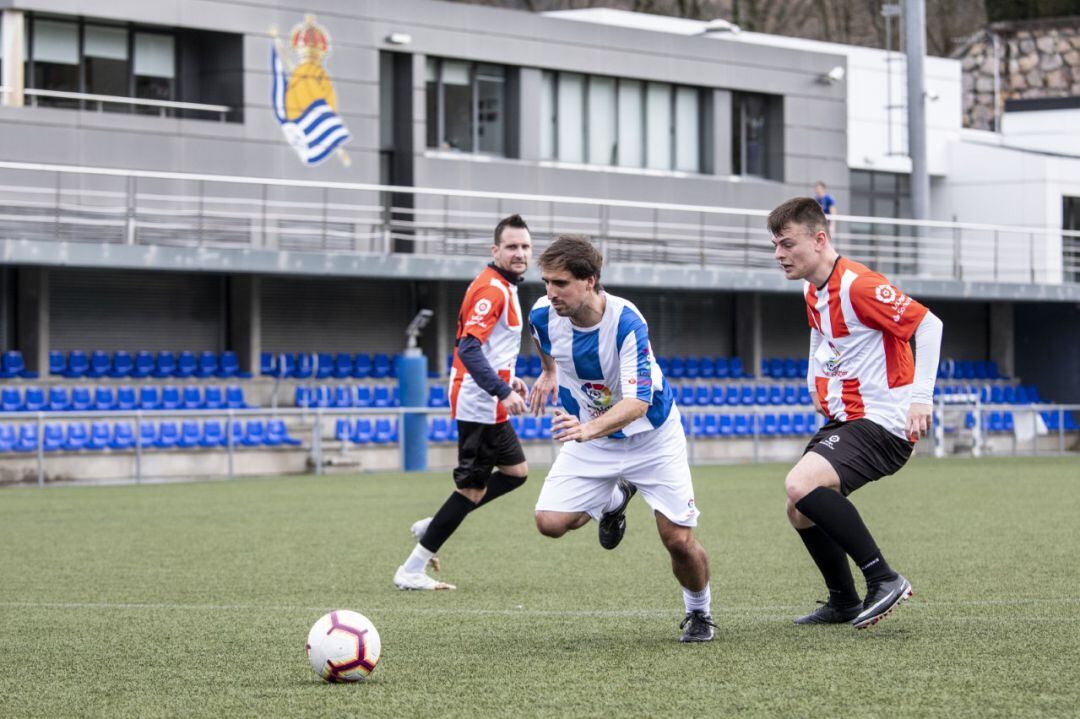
{"x": 480, "y": 311}
{"x": 897, "y": 300}
{"x": 885, "y": 294}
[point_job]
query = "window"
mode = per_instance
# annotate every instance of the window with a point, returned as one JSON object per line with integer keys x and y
{"x": 105, "y": 61}
{"x": 627, "y": 123}
{"x": 154, "y": 68}
{"x": 880, "y": 194}
{"x": 756, "y": 135}
{"x": 466, "y": 106}
{"x": 1070, "y": 245}
{"x": 55, "y": 60}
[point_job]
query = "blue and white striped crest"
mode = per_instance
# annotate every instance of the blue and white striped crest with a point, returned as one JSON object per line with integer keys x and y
{"x": 317, "y": 132}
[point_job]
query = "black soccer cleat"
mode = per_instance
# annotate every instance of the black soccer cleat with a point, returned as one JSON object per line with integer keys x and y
{"x": 613, "y": 523}
{"x": 829, "y": 613}
{"x": 697, "y": 626}
{"x": 881, "y": 599}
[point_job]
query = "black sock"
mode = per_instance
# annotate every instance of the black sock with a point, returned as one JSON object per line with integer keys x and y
{"x": 838, "y": 518}
{"x": 832, "y": 562}
{"x": 446, "y": 521}
{"x": 500, "y": 484}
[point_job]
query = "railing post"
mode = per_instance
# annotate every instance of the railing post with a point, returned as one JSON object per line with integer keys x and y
{"x": 229, "y": 418}
{"x": 56, "y": 224}
{"x": 325, "y": 209}
{"x": 316, "y": 443}
{"x": 132, "y": 188}
{"x": 138, "y": 446}
{"x": 265, "y": 237}
{"x": 202, "y": 238}
{"x": 996, "y": 255}
{"x": 40, "y": 449}
{"x": 1031, "y": 245}
{"x": 387, "y": 211}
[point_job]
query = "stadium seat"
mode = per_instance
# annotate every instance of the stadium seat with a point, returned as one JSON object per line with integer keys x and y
{"x": 791, "y": 394}
{"x": 81, "y": 400}
{"x": 104, "y": 399}
{"x": 362, "y": 366}
{"x": 75, "y": 439}
{"x": 980, "y": 369}
{"x": 58, "y": 399}
{"x": 1008, "y": 394}
{"x": 165, "y": 365}
{"x": 277, "y": 434}
{"x": 693, "y": 367}
{"x": 34, "y": 400}
{"x": 747, "y": 394}
{"x": 733, "y": 394}
{"x": 702, "y": 395}
{"x": 143, "y": 366}
{"x": 696, "y": 425}
{"x": 122, "y": 365}
{"x": 78, "y": 365}
{"x": 545, "y": 427}
{"x": 267, "y": 364}
{"x": 770, "y": 425}
{"x": 343, "y": 429}
{"x": 323, "y": 365}
{"x": 100, "y": 436}
{"x": 28, "y": 438}
{"x": 776, "y": 368}
{"x": 304, "y": 367}
{"x": 321, "y": 396}
{"x": 364, "y": 433}
{"x": 1033, "y": 394}
{"x": 186, "y": 365}
{"x": 207, "y": 365}
{"x": 13, "y": 365}
{"x": 684, "y": 420}
{"x": 708, "y": 368}
{"x": 726, "y": 425}
{"x": 997, "y": 394}
{"x": 381, "y": 396}
{"x": 126, "y": 398}
{"x": 190, "y": 435}
{"x": 234, "y": 397}
{"x": 149, "y": 398}
{"x": 530, "y": 428}
{"x": 521, "y": 366}
{"x": 11, "y": 399}
{"x": 380, "y": 366}
{"x": 761, "y": 394}
{"x": 213, "y": 435}
{"x": 100, "y": 364}
{"x": 996, "y": 423}
{"x": 716, "y": 395}
{"x": 123, "y": 436}
{"x": 791, "y": 368}
{"x": 710, "y": 425}
{"x": 1070, "y": 422}
{"x": 784, "y": 425}
{"x": 1022, "y": 395}
{"x": 439, "y": 430}
{"x": 536, "y": 366}
{"x": 386, "y": 431}
{"x": 742, "y": 425}
{"x": 393, "y": 367}
{"x": 804, "y": 395}
{"x": 213, "y": 398}
{"x": 437, "y": 396}
{"x": 147, "y": 435}
{"x": 992, "y": 371}
{"x": 737, "y": 370}
{"x": 723, "y": 368}
{"x": 676, "y": 367}
{"x": 776, "y": 394}
{"x": 234, "y": 433}
{"x": 171, "y": 398}
{"x": 343, "y": 396}
{"x": 765, "y": 370}
{"x": 168, "y": 435}
{"x": 53, "y": 440}
{"x": 229, "y": 366}
{"x": 343, "y": 365}
{"x": 8, "y": 438}
{"x": 57, "y": 362}
{"x": 364, "y": 396}
{"x": 254, "y": 434}
{"x": 687, "y": 396}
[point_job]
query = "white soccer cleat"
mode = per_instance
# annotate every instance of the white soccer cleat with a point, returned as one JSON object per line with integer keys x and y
{"x": 417, "y": 580}
{"x": 418, "y": 529}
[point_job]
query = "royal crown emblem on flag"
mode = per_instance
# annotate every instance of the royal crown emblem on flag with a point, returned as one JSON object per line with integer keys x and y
{"x": 302, "y": 94}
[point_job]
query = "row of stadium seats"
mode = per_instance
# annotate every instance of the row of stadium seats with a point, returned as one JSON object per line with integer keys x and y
{"x": 164, "y": 435}
{"x": 106, "y": 399}
{"x": 689, "y": 395}
{"x": 323, "y": 365}
{"x": 12, "y": 365}
{"x": 969, "y": 369}
{"x": 742, "y": 425}
{"x": 368, "y": 431}
{"x": 993, "y": 394}
{"x": 1005, "y": 422}
{"x": 77, "y": 364}
{"x": 344, "y": 395}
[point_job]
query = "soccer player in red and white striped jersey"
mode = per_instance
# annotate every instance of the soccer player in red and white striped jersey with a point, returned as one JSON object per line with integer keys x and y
{"x": 875, "y": 395}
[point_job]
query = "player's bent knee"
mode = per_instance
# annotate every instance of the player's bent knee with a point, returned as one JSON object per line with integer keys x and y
{"x": 550, "y": 526}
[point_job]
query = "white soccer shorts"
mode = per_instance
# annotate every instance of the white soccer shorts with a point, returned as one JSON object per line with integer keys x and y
{"x": 584, "y": 474}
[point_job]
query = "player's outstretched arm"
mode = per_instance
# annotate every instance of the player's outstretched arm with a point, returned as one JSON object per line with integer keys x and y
{"x": 567, "y": 428}
{"x": 927, "y": 355}
{"x": 546, "y": 385}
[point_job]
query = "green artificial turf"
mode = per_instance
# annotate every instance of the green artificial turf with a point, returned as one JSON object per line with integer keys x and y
{"x": 195, "y": 600}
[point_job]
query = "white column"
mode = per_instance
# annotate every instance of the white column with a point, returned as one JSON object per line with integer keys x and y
{"x": 14, "y": 37}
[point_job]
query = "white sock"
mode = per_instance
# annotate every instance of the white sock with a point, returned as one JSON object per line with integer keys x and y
{"x": 418, "y": 560}
{"x": 698, "y": 601}
{"x": 617, "y": 498}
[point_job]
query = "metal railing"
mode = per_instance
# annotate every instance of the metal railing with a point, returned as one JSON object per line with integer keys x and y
{"x": 100, "y": 205}
{"x": 87, "y": 100}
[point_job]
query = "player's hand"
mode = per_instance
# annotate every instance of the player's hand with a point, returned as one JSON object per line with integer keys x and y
{"x": 919, "y": 420}
{"x": 815, "y": 399}
{"x": 544, "y": 387}
{"x": 567, "y": 428}
{"x": 518, "y": 385}
{"x": 514, "y": 403}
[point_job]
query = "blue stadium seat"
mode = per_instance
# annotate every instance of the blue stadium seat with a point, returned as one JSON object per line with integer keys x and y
{"x": 804, "y": 395}
{"x": 170, "y": 397}
{"x": 530, "y": 428}
{"x": 343, "y": 365}
{"x": 693, "y": 367}
{"x": 545, "y": 427}
{"x": 321, "y": 396}
{"x": 784, "y": 425}
{"x": 710, "y": 425}
{"x": 364, "y": 397}
{"x": 708, "y": 368}
{"x": 394, "y": 366}
{"x": 267, "y": 364}
{"x": 997, "y": 394}
{"x": 804, "y": 367}
{"x": 684, "y": 420}
{"x": 78, "y": 365}
{"x": 386, "y": 431}
{"x": 208, "y": 365}
{"x": 996, "y": 423}
{"x": 521, "y": 366}
{"x": 343, "y": 396}
{"x": 234, "y": 397}
{"x": 34, "y": 400}
{"x": 761, "y": 394}
{"x": 992, "y": 371}
{"x": 81, "y": 400}
{"x": 702, "y": 395}
{"x": 381, "y": 396}
{"x": 776, "y": 394}
{"x": 165, "y": 365}
{"x": 213, "y": 435}
{"x": 791, "y": 394}
{"x": 126, "y": 398}
{"x": 965, "y": 370}
{"x": 77, "y": 438}
{"x": 123, "y": 436}
{"x": 742, "y": 425}
{"x": 303, "y": 367}
{"x": 362, "y": 366}
{"x": 100, "y": 364}
{"x": 770, "y": 425}
{"x": 1070, "y": 422}
{"x": 213, "y": 398}
{"x": 364, "y": 432}
{"x": 57, "y": 362}
{"x": 665, "y": 365}
{"x": 776, "y": 368}
{"x": 100, "y": 436}
{"x": 980, "y": 369}
{"x": 53, "y": 440}
{"x": 13, "y": 365}
{"x": 104, "y": 399}
{"x": 277, "y": 434}
{"x": 733, "y": 394}
{"x": 676, "y": 368}
{"x": 234, "y": 433}
{"x": 536, "y": 366}
{"x": 1022, "y": 395}
{"x": 186, "y": 365}
{"x": 1008, "y": 421}
{"x": 687, "y": 396}
{"x": 695, "y": 423}
{"x": 737, "y": 370}
{"x": 254, "y": 433}
{"x": 380, "y": 366}
{"x": 439, "y": 430}
{"x": 11, "y": 399}
{"x": 229, "y": 366}
{"x": 143, "y": 366}
{"x": 168, "y": 435}
{"x": 8, "y": 438}
{"x": 765, "y": 370}
{"x": 122, "y": 365}
{"x": 190, "y": 435}
{"x": 148, "y": 434}
{"x": 149, "y": 398}
{"x": 437, "y": 396}
{"x": 726, "y": 425}
{"x": 28, "y": 438}
{"x": 343, "y": 429}
{"x": 791, "y": 368}
{"x": 324, "y": 365}
{"x": 1033, "y": 394}
{"x": 716, "y": 395}
{"x": 1008, "y": 394}
{"x": 58, "y": 399}
{"x": 746, "y": 394}
{"x": 723, "y": 368}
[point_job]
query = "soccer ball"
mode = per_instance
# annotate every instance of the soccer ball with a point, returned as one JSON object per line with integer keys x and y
{"x": 343, "y": 646}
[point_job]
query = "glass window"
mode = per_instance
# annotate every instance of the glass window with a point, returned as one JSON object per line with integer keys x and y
{"x": 658, "y": 126}
{"x": 547, "y": 116}
{"x": 457, "y": 106}
{"x": 432, "y": 102}
{"x": 570, "y": 109}
{"x": 491, "y": 123}
{"x": 105, "y": 59}
{"x": 687, "y": 130}
{"x": 601, "y": 129}
{"x": 751, "y": 130}
{"x": 466, "y": 106}
{"x": 155, "y": 68}
{"x": 55, "y": 52}
{"x": 631, "y": 124}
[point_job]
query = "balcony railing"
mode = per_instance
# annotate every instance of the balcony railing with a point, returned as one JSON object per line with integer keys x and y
{"x": 99, "y": 205}
{"x": 88, "y": 100}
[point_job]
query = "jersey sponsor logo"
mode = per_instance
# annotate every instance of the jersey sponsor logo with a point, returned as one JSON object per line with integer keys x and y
{"x": 889, "y": 295}
{"x": 599, "y": 396}
{"x": 479, "y": 313}
{"x": 831, "y": 360}
{"x": 831, "y": 441}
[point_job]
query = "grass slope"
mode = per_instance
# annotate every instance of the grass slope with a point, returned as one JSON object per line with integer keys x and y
{"x": 195, "y": 600}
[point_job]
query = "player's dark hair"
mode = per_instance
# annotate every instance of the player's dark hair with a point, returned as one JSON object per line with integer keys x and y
{"x": 514, "y": 221}
{"x": 799, "y": 211}
{"x": 575, "y": 254}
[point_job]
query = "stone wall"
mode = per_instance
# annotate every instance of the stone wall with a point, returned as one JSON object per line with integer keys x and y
{"x": 1035, "y": 61}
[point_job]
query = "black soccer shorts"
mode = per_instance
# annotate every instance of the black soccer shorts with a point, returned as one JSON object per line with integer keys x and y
{"x": 860, "y": 451}
{"x": 481, "y": 448}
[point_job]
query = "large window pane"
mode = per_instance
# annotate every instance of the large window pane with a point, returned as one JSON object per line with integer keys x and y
{"x": 491, "y": 108}
{"x": 658, "y": 126}
{"x": 155, "y": 68}
{"x": 687, "y": 130}
{"x": 457, "y": 106}
{"x": 56, "y": 60}
{"x": 571, "y": 117}
{"x": 105, "y": 56}
{"x": 432, "y": 102}
{"x": 547, "y": 116}
{"x": 631, "y": 103}
{"x": 601, "y": 112}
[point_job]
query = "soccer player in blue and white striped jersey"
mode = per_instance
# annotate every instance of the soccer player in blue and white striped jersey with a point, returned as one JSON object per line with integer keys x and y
{"x": 620, "y": 428}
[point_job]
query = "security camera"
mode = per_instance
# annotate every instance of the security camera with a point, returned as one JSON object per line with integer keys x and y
{"x": 835, "y": 75}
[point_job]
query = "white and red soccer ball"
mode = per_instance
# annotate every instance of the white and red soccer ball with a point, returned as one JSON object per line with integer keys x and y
{"x": 343, "y": 646}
